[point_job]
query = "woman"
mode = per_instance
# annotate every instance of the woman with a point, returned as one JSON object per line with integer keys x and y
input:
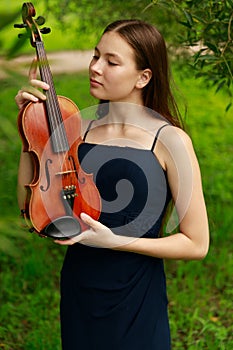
{"x": 113, "y": 289}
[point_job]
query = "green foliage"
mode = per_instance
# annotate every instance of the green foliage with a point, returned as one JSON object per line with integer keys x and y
{"x": 91, "y": 15}
{"x": 208, "y": 29}
{"x": 204, "y": 26}
{"x": 62, "y": 36}
{"x": 78, "y": 25}
{"x": 201, "y": 292}
{"x": 207, "y": 26}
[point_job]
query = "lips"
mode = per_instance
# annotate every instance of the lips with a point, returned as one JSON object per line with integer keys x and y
{"x": 94, "y": 82}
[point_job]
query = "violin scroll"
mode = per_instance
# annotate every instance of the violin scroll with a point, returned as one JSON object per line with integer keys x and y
{"x": 32, "y": 25}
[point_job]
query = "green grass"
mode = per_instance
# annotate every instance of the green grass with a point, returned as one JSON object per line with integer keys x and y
{"x": 200, "y": 293}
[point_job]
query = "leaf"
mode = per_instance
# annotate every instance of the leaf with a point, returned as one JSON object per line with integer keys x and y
{"x": 196, "y": 56}
{"x": 207, "y": 57}
{"x": 228, "y": 107}
{"x": 220, "y": 85}
{"x": 198, "y": 18}
{"x": 189, "y": 18}
{"x": 213, "y": 47}
{"x": 184, "y": 24}
{"x": 229, "y": 82}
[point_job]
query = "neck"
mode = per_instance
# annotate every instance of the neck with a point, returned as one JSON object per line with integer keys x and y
{"x": 125, "y": 113}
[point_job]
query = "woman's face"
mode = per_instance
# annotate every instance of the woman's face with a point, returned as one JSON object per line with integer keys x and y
{"x": 113, "y": 72}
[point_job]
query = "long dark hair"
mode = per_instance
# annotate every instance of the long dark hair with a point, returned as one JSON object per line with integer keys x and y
{"x": 150, "y": 52}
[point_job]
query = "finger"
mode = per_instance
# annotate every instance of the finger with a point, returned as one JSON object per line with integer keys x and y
{"x": 72, "y": 240}
{"x": 39, "y": 84}
{"x": 23, "y": 97}
{"x": 69, "y": 241}
{"x": 29, "y": 97}
{"x": 89, "y": 221}
{"x": 64, "y": 242}
{"x": 30, "y": 93}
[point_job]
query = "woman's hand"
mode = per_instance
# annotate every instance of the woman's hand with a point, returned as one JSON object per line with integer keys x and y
{"x": 98, "y": 235}
{"x": 31, "y": 92}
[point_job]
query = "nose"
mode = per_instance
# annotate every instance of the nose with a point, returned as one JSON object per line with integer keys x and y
{"x": 96, "y": 66}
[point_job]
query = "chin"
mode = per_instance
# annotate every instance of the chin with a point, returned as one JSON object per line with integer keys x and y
{"x": 96, "y": 95}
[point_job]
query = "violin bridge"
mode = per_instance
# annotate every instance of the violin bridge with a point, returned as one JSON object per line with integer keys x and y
{"x": 67, "y": 172}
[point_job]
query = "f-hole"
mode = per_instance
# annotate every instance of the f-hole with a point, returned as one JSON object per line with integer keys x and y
{"x": 42, "y": 188}
{"x": 80, "y": 180}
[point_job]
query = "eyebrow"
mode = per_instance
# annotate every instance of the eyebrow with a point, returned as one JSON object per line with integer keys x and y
{"x": 112, "y": 54}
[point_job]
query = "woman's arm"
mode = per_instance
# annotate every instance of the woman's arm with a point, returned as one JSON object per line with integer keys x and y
{"x": 192, "y": 240}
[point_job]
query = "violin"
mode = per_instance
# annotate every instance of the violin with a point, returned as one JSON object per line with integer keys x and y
{"x": 51, "y": 134}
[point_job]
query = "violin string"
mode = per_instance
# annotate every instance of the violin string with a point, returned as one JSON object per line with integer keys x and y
{"x": 52, "y": 105}
{"x": 55, "y": 116}
{"x": 59, "y": 139}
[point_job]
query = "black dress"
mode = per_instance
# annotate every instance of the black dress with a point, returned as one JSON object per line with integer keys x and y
{"x": 113, "y": 300}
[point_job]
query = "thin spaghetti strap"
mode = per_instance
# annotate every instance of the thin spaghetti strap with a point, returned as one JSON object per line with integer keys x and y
{"x": 88, "y": 128}
{"x": 156, "y": 136}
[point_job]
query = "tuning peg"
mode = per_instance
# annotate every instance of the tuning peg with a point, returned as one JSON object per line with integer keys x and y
{"x": 22, "y": 25}
{"x": 45, "y": 30}
{"x": 40, "y": 20}
{"x": 25, "y": 35}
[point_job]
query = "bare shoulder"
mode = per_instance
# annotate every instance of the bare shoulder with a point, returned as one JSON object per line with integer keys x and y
{"x": 172, "y": 134}
{"x": 174, "y": 144}
{"x": 174, "y": 138}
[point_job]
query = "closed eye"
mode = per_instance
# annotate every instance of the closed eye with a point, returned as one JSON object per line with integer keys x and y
{"x": 112, "y": 63}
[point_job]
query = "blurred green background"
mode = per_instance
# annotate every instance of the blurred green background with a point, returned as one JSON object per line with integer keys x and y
{"x": 200, "y": 293}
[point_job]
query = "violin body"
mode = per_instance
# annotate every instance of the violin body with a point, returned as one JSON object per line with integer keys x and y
{"x": 60, "y": 190}
{"x": 51, "y": 133}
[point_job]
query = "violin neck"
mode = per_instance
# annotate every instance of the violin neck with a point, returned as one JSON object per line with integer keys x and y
{"x": 58, "y": 134}
{"x": 45, "y": 71}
